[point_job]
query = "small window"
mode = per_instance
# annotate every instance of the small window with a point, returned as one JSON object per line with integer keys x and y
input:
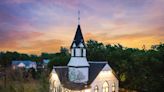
{"x": 113, "y": 87}
{"x": 54, "y": 87}
{"x": 81, "y": 52}
{"x": 96, "y": 89}
{"x": 53, "y": 83}
{"x": 106, "y": 87}
{"x": 74, "y": 52}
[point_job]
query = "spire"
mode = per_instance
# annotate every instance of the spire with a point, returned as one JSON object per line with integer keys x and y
{"x": 78, "y": 17}
{"x": 78, "y": 37}
{"x": 78, "y": 12}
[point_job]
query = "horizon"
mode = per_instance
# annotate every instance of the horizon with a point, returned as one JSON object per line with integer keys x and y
{"x": 38, "y": 54}
{"x": 32, "y": 27}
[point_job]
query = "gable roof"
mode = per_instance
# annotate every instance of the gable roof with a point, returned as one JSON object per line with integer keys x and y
{"x": 21, "y": 65}
{"x": 46, "y": 61}
{"x": 94, "y": 70}
{"x": 78, "y": 37}
{"x": 26, "y": 63}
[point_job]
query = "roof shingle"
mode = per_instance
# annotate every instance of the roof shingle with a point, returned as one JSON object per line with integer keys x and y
{"x": 94, "y": 70}
{"x": 78, "y": 37}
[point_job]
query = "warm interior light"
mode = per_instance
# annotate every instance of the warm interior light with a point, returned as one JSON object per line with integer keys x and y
{"x": 106, "y": 73}
{"x": 87, "y": 90}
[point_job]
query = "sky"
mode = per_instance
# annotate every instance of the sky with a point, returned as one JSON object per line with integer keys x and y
{"x": 35, "y": 26}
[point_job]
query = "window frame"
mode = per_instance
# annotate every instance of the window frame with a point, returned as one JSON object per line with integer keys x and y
{"x": 113, "y": 87}
{"x": 105, "y": 88}
{"x": 81, "y": 52}
{"x": 96, "y": 89}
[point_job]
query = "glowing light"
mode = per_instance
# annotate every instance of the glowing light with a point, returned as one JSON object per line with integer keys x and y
{"x": 106, "y": 73}
{"x": 54, "y": 76}
{"x": 87, "y": 90}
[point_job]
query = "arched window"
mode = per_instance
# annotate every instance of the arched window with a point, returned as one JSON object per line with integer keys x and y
{"x": 106, "y": 87}
{"x": 66, "y": 91}
{"x": 51, "y": 86}
{"x": 96, "y": 89}
{"x": 113, "y": 87}
{"x": 54, "y": 87}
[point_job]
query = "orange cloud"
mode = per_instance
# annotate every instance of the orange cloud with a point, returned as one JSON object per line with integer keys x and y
{"x": 136, "y": 40}
{"x": 39, "y": 46}
{"x": 12, "y": 39}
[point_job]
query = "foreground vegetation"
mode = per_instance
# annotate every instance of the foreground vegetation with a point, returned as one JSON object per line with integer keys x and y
{"x": 24, "y": 81}
{"x": 137, "y": 69}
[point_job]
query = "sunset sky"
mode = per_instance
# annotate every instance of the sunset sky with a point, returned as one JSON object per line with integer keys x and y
{"x": 35, "y": 26}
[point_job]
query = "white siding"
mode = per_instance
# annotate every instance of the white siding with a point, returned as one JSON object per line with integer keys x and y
{"x": 78, "y": 51}
{"x": 78, "y": 61}
{"x": 72, "y": 52}
{"x": 81, "y": 45}
{"x": 84, "y": 52}
{"x": 102, "y": 78}
{"x": 54, "y": 81}
{"x": 78, "y": 74}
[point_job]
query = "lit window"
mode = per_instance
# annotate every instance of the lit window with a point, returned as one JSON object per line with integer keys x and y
{"x": 54, "y": 90}
{"x": 54, "y": 87}
{"x": 66, "y": 91}
{"x": 113, "y": 87}
{"x": 96, "y": 89}
{"x": 53, "y": 83}
{"x": 105, "y": 87}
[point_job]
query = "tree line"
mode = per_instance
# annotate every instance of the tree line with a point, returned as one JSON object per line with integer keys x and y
{"x": 136, "y": 69}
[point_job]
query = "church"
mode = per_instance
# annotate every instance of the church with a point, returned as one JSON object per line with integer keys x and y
{"x": 81, "y": 75}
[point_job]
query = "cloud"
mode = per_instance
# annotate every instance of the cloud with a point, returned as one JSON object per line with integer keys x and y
{"x": 39, "y": 46}
{"x": 27, "y": 42}
{"x": 12, "y": 38}
{"x": 137, "y": 40}
{"x": 68, "y": 3}
{"x": 52, "y": 45}
{"x": 31, "y": 26}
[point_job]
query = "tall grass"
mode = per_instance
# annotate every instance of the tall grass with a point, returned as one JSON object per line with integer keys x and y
{"x": 18, "y": 81}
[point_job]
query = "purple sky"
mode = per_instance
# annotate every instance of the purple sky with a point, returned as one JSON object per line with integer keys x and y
{"x": 35, "y": 26}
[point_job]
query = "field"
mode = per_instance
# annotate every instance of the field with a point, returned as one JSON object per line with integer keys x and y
{"x": 15, "y": 81}
{"x": 19, "y": 87}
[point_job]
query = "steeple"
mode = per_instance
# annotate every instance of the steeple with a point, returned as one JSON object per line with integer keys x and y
{"x": 78, "y": 64}
{"x": 78, "y": 17}
{"x": 78, "y": 38}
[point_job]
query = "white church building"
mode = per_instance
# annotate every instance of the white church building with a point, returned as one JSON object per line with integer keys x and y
{"x": 81, "y": 75}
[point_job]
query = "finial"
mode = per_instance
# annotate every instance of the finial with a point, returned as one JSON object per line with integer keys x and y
{"x": 78, "y": 17}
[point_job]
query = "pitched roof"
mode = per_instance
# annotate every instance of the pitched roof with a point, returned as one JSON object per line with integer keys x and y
{"x": 78, "y": 37}
{"x": 94, "y": 70}
{"x": 46, "y": 61}
{"x": 27, "y": 63}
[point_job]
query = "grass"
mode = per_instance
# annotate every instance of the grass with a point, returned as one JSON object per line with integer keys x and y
{"x": 17, "y": 86}
{"x": 15, "y": 82}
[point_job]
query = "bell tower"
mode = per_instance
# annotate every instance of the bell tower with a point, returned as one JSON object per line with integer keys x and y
{"x": 78, "y": 64}
{"x": 78, "y": 48}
